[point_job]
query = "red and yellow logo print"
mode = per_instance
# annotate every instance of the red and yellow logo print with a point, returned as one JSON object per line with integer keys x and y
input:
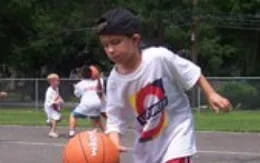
{"x": 149, "y": 105}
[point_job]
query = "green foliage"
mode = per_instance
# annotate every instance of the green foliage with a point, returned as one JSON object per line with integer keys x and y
{"x": 47, "y": 35}
{"x": 237, "y": 30}
{"x": 241, "y": 93}
{"x": 57, "y": 35}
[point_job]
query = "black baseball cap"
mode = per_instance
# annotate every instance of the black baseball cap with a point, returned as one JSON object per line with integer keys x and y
{"x": 118, "y": 21}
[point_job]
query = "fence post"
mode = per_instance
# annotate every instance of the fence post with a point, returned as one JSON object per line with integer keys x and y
{"x": 36, "y": 93}
{"x": 199, "y": 99}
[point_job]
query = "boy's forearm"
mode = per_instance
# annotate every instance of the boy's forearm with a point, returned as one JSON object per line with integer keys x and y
{"x": 216, "y": 101}
{"x": 205, "y": 86}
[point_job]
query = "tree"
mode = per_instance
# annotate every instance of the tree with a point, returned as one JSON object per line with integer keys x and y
{"x": 58, "y": 35}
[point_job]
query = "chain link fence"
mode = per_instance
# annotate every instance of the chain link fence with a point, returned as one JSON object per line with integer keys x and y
{"x": 30, "y": 93}
{"x": 243, "y": 92}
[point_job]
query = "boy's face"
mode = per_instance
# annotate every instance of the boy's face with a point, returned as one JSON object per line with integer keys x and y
{"x": 54, "y": 82}
{"x": 120, "y": 48}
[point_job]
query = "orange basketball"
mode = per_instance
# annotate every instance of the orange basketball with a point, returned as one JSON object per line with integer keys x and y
{"x": 90, "y": 147}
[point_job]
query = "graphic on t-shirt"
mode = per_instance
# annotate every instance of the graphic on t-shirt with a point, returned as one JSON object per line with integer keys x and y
{"x": 149, "y": 105}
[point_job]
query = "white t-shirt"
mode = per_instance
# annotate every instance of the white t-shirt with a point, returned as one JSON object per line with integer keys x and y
{"x": 51, "y": 97}
{"x": 87, "y": 90}
{"x": 155, "y": 96}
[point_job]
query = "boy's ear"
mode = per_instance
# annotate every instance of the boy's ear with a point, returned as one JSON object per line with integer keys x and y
{"x": 136, "y": 37}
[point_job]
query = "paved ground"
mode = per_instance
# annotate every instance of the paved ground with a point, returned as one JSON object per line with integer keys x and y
{"x": 30, "y": 145}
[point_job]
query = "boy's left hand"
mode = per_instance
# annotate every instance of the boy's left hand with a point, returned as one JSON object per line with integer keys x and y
{"x": 58, "y": 100}
{"x": 217, "y": 103}
{"x": 61, "y": 100}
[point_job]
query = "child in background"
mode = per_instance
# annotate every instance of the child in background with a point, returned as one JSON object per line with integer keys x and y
{"x": 89, "y": 90}
{"x": 52, "y": 104}
{"x": 149, "y": 85}
{"x": 3, "y": 94}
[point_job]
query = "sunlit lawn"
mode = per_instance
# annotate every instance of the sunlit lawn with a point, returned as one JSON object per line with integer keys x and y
{"x": 237, "y": 121}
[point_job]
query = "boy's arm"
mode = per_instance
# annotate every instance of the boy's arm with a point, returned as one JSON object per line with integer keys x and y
{"x": 49, "y": 98}
{"x": 77, "y": 91}
{"x": 115, "y": 137}
{"x": 116, "y": 112}
{"x": 187, "y": 74}
{"x": 116, "y": 123}
{"x": 58, "y": 100}
{"x": 116, "y": 126}
{"x": 216, "y": 101}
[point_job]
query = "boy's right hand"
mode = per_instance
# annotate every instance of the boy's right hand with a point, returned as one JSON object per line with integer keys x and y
{"x": 123, "y": 149}
{"x": 217, "y": 103}
{"x": 56, "y": 107}
{"x": 115, "y": 138}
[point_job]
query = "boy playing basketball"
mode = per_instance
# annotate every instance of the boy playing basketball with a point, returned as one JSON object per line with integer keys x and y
{"x": 52, "y": 104}
{"x": 89, "y": 89}
{"x": 150, "y": 86}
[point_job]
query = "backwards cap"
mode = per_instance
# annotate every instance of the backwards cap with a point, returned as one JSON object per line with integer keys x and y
{"x": 118, "y": 21}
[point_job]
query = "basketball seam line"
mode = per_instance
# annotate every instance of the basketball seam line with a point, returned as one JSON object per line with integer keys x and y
{"x": 82, "y": 149}
{"x": 104, "y": 151}
{"x": 65, "y": 154}
{"x": 67, "y": 161}
{"x": 64, "y": 159}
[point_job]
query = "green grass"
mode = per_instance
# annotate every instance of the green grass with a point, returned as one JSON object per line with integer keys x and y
{"x": 237, "y": 121}
{"x": 33, "y": 117}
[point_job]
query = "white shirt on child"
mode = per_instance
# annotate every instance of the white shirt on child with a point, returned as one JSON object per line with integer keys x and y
{"x": 90, "y": 103}
{"x": 51, "y": 97}
{"x": 154, "y": 95}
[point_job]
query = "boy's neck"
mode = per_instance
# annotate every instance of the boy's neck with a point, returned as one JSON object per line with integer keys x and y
{"x": 131, "y": 65}
{"x": 54, "y": 87}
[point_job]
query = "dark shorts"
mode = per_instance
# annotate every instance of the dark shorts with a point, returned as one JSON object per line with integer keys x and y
{"x": 82, "y": 116}
{"x": 180, "y": 160}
